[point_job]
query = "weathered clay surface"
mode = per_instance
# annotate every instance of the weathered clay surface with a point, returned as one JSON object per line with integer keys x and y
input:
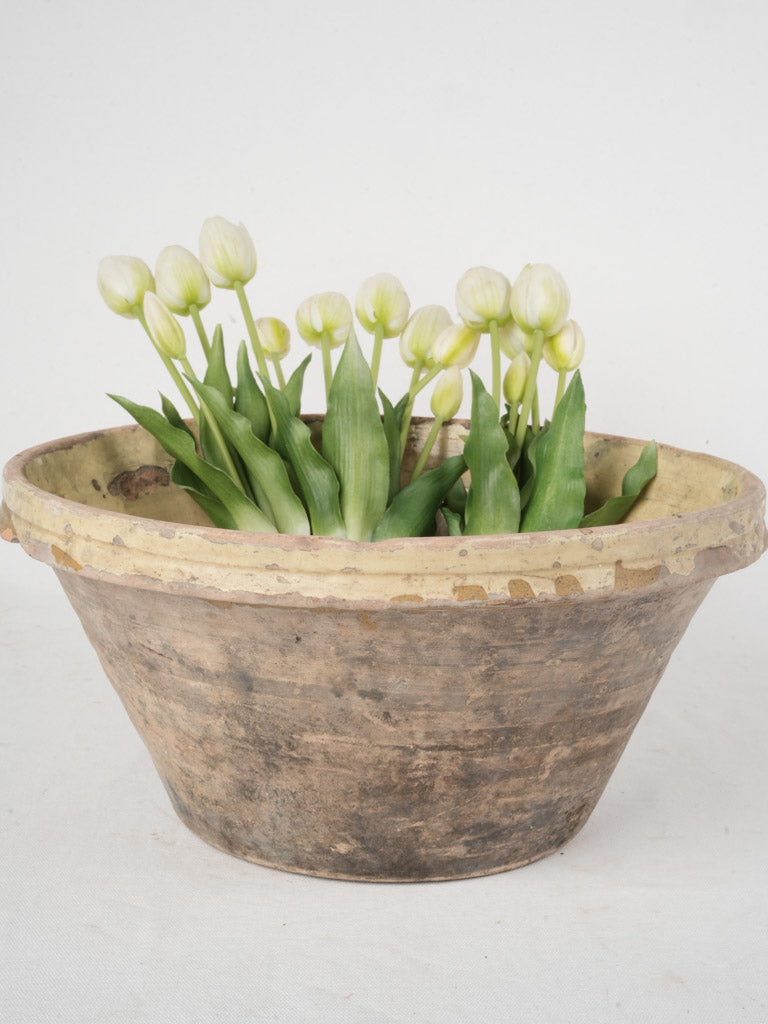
{"x": 400, "y": 711}
{"x": 393, "y": 744}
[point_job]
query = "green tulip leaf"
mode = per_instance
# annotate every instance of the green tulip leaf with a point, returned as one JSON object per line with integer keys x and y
{"x": 249, "y": 398}
{"x": 413, "y": 511}
{"x": 183, "y": 477}
{"x": 294, "y": 386}
{"x": 173, "y": 415}
{"x": 456, "y": 498}
{"x": 391, "y": 424}
{"x": 316, "y": 479}
{"x": 355, "y": 444}
{"x": 559, "y": 488}
{"x": 453, "y": 522}
{"x": 635, "y": 481}
{"x": 180, "y": 445}
{"x": 266, "y": 470}
{"x": 493, "y": 499}
{"x": 216, "y": 374}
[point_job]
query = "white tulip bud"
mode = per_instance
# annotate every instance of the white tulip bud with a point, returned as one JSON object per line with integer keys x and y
{"x": 123, "y": 281}
{"x": 513, "y": 340}
{"x": 420, "y": 333}
{"x": 227, "y": 252}
{"x": 382, "y": 300}
{"x": 515, "y": 378}
{"x": 565, "y": 350}
{"x": 163, "y": 327}
{"x": 482, "y": 295}
{"x": 274, "y": 336}
{"x": 448, "y": 394}
{"x": 181, "y": 280}
{"x": 456, "y": 346}
{"x": 327, "y": 315}
{"x": 540, "y": 299}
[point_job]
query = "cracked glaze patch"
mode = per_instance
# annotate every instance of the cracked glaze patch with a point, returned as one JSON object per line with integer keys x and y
{"x": 62, "y": 558}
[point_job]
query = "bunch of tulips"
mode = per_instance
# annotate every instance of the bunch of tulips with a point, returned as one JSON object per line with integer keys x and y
{"x": 252, "y": 463}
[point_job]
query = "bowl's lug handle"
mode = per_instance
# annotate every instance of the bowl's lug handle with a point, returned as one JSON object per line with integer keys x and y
{"x": 7, "y": 531}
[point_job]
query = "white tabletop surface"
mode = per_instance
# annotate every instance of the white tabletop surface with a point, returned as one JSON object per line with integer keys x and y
{"x": 622, "y": 142}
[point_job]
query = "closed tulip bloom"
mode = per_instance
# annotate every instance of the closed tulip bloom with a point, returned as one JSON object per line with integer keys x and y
{"x": 123, "y": 281}
{"x": 421, "y": 332}
{"x": 274, "y": 336}
{"x": 328, "y": 315}
{"x": 513, "y": 340}
{"x": 448, "y": 394}
{"x": 456, "y": 346}
{"x": 382, "y": 300}
{"x": 181, "y": 280}
{"x": 515, "y": 378}
{"x": 565, "y": 350}
{"x": 163, "y": 327}
{"x": 227, "y": 252}
{"x": 540, "y": 299}
{"x": 482, "y": 295}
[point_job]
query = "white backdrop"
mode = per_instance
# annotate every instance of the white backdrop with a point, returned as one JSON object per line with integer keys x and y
{"x": 624, "y": 143}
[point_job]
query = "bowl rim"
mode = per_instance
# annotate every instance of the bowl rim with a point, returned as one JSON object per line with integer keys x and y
{"x": 74, "y": 536}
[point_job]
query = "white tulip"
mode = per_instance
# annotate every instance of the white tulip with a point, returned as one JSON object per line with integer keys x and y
{"x": 420, "y": 333}
{"x": 513, "y": 340}
{"x": 326, "y": 315}
{"x": 456, "y": 346}
{"x": 274, "y": 336}
{"x": 515, "y": 378}
{"x": 163, "y": 327}
{"x": 227, "y": 252}
{"x": 123, "y": 281}
{"x": 448, "y": 394}
{"x": 540, "y": 299}
{"x": 382, "y": 300}
{"x": 565, "y": 350}
{"x": 181, "y": 280}
{"x": 482, "y": 295}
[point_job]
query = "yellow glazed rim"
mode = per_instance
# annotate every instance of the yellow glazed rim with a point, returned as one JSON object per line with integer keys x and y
{"x": 700, "y": 518}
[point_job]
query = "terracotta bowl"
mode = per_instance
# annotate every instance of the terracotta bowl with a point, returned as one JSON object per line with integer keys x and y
{"x": 408, "y": 710}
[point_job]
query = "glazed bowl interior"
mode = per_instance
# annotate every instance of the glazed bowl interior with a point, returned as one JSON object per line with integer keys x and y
{"x": 127, "y": 471}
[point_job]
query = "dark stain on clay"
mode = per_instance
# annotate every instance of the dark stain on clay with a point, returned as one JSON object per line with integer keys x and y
{"x": 132, "y": 483}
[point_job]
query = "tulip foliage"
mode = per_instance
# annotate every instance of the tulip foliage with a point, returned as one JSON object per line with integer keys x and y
{"x": 251, "y": 462}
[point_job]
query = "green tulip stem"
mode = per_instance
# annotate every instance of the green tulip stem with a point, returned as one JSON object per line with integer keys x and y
{"x": 530, "y": 387}
{"x": 514, "y": 414}
{"x": 215, "y": 430}
{"x": 427, "y": 378}
{"x": 535, "y": 417}
{"x": 562, "y": 374}
{"x": 495, "y": 363}
{"x": 194, "y": 312}
{"x": 378, "y": 338}
{"x": 278, "y": 372}
{"x": 428, "y": 445}
{"x": 325, "y": 345}
{"x": 408, "y": 410}
{"x": 178, "y": 380}
{"x": 258, "y": 351}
